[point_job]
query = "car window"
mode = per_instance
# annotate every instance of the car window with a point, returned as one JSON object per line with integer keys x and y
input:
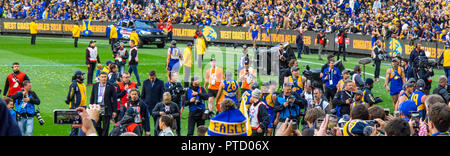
{"x": 145, "y": 24}
{"x": 124, "y": 24}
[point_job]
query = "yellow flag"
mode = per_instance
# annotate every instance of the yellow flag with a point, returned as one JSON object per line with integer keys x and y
{"x": 244, "y": 111}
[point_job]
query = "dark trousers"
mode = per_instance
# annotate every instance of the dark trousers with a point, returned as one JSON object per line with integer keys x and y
{"x": 133, "y": 68}
{"x": 169, "y": 36}
{"x": 75, "y": 43}
{"x": 299, "y": 50}
{"x": 377, "y": 68}
{"x": 341, "y": 50}
{"x": 33, "y": 39}
{"x": 195, "y": 117}
{"x": 329, "y": 94}
{"x": 91, "y": 72}
{"x": 102, "y": 126}
{"x": 113, "y": 41}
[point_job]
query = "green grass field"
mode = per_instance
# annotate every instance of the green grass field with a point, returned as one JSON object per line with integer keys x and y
{"x": 51, "y": 63}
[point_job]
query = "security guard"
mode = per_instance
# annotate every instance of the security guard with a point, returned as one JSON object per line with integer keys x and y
{"x": 135, "y": 37}
{"x": 445, "y": 57}
{"x": 91, "y": 60}
{"x": 76, "y": 34}
{"x": 113, "y": 36}
{"x": 33, "y": 32}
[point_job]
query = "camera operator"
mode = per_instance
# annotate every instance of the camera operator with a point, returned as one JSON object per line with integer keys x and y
{"x": 25, "y": 107}
{"x": 288, "y": 104}
{"x": 425, "y": 72}
{"x": 441, "y": 89}
{"x": 377, "y": 52}
{"x": 414, "y": 56}
{"x": 195, "y": 96}
{"x": 176, "y": 90}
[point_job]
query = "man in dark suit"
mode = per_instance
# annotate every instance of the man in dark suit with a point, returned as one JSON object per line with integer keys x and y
{"x": 104, "y": 94}
{"x": 152, "y": 93}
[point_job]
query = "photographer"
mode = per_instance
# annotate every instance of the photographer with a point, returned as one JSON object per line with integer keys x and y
{"x": 166, "y": 107}
{"x": 288, "y": 104}
{"x": 133, "y": 115}
{"x": 25, "y": 106}
{"x": 175, "y": 89}
{"x": 414, "y": 56}
{"x": 120, "y": 55}
{"x": 195, "y": 97}
{"x": 425, "y": 72}
{"x": 344, "y": 98}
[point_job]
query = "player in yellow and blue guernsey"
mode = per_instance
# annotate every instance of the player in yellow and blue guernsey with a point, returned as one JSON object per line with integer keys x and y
{"x": 245, "y": 99}
{"x": 228, "y": 89}
{"x": 395, "y": 76}
{"x": 355, "y": 127}
{"x": 419, "y": 97}
{"x": 174, "y": 55}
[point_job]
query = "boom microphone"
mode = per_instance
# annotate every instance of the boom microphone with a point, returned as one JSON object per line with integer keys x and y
{"x": 365, "y": 61}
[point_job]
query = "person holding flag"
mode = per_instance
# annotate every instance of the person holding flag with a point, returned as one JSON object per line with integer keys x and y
{"x": 230, "y": 122}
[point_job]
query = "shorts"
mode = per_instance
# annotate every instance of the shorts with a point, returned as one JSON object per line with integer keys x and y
{"x": 212, "y": 93}
{"x": 254, "y": 35}
{"x": 174, "y": 65}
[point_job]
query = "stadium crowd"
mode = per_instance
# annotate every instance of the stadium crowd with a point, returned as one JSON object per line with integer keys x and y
{"x": 426, "y": 20}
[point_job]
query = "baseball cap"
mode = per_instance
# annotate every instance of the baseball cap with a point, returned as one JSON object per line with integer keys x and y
{"x": 92, "y": 41}
{"x": 294, "y": 69}
{"x": 109, "y": 62}
{"x": 246, "y": 61}
{"x": 369, "y": 81}
{"x": 256, "y": 93}
{"x": 359, "y": 92}
{"x": 189, "y": 44}
{"x": 345, "y": 71}
{"x": 407, "y": 106}
{"x": 173, "y": 42}
{"x": 213, "y": 59}
{"x": 79, "y": 73}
